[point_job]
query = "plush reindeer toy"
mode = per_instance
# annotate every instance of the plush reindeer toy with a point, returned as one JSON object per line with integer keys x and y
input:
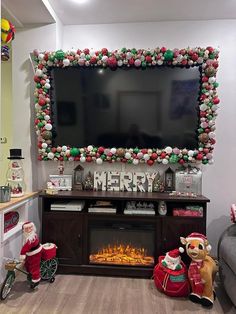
{"x": 202, "y": 269}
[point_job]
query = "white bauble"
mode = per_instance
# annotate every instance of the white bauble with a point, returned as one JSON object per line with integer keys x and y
{"x": 44, "y": 145}
{"x": 165, "y": 161}
{"x": 66, "y": 62}
{"x": 82, "y": 159}
{"x": 113, "y": 150}
{"x": 48, "y": 126}
{"x": 99, "y": 161}
{"x": 127, "y": 155}
{"x": 50, "y": 155}
{"x": 135, "y": 161}
{"x": 90, "y": 148}
{"x": 168, "y": 150}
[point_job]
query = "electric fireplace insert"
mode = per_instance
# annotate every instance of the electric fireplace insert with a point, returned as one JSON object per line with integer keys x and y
{"x": 121, "y": 243}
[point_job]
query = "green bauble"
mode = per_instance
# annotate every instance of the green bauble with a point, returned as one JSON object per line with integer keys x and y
{"x": 168, "y": 55}
{"x": 74, "y": 152}
{"x": 40, "y": 125}
{"x": 136, "y": 150}
{"x": 59, "y": 55}
{"x": 134, "y": 51}
{"x": 173, "y": 159}
{"x": 123, "y": 50}
{"x": 51, "y": 58}
{"x": 205, "y": 161}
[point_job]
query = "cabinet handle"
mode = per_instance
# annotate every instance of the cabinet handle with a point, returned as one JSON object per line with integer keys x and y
{"x": 79, "y": 239}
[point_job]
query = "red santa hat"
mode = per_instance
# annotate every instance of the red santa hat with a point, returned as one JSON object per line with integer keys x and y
{"x": 28, "y": 224}
{"x": 175, "y": 254}
{"x": 200, "y": 237}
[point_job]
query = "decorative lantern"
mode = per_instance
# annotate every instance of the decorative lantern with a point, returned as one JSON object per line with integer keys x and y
{"x": 169, "y": 180}
{"x": 78, "y": 178}
{"x": 15, "y": 173}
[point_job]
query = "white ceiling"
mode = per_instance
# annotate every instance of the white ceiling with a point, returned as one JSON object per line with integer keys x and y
{"x": 23, "y": 12}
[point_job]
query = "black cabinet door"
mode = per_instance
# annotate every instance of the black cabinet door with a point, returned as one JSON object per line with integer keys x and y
{"x": 65, "y": 230}
{"x": 176, "y": 227}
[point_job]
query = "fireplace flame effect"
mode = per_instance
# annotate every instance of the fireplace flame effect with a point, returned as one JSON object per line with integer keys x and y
{"x": 121, "y": 254}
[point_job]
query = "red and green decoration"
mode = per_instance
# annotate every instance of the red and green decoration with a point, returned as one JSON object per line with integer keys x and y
{"x": 206, "y": 58}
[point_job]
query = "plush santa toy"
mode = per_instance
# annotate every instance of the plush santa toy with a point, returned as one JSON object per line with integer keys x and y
{"x": 31, "y": 251}
{"x": 233, "y": 213}
{"x": 172, "y": 259}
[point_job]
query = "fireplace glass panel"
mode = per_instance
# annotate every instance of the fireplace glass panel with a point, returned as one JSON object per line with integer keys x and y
{"x": 129, "y": 244}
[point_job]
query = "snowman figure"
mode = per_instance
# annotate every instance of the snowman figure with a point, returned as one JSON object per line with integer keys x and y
{"x": 172, "y": 259}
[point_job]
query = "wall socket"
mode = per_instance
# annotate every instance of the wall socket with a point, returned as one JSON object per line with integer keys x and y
{"x": 3, "y": 140}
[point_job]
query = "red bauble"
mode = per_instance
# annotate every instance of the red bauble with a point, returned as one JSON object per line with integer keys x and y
{"x": 199, "y": 156}
{"x": 205, "y": 150}
{"x": 204, "y": 79}
{"x": 86, "y": 51}
{"x": 54, "y": 150}
{"x": 131, "y": 61}
{"x": 144, "y": 151}
{"x": 181, "y": 161}
{"x": 210, "y": 49}
{"x": 194, "y": 56}
{"x": 112, "y": 62}
{"x": 150, "y": 162}
{"x": 184, "y": 62}
{"x": 202, "y": 114}
{"x": 148, "y": 59}
{"x": 93, "y": 60}
{"x": 154, "y": 156}
{"x": 40, "y": 158}
{"x": 104, "y": 51}
{"x": 163, "y": 155}
{"x": 36, "y": 79}
{"x": 46, "y": 56}
{"x": 40, "y": 66}
{"x": 163, "y": 49}
{"x": 42, "y": 101}
{"x": 216, "y": 101}
{"x": 100, "y": 149}
{"x": 89, "y": 159}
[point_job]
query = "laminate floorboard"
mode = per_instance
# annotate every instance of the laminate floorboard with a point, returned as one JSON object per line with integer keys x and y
{"x": 74, "y": 294}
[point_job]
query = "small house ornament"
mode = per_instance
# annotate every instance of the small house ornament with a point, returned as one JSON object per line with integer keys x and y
{"x": 169, "y": 180}
{"x": 78, "y": 178}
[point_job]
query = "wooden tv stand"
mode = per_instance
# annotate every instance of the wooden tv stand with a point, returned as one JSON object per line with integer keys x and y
{"x": 70, "y": 229}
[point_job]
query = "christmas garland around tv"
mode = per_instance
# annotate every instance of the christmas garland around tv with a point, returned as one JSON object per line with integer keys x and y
{"x": 206, "y": 58}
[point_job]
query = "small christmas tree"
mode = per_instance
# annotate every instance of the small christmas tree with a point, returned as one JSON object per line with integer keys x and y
{"x": 158, "y": 184}
{"x": 88, "y": 182}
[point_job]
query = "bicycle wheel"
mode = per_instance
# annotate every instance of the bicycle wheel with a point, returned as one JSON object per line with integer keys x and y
{"x": 48, "y": 268}
{"x": 6, "y": 286}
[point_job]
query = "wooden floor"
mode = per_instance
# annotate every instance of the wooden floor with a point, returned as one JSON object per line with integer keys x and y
{"x": 73, "y": 294}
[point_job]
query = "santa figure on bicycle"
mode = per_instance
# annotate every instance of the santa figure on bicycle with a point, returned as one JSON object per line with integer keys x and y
{"x": 31, "y": 252}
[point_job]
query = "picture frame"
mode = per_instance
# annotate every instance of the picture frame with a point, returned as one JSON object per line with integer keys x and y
{"x": 61, "y": 182}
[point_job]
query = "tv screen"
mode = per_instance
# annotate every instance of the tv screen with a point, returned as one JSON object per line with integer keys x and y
{"x": 152, "y": 108}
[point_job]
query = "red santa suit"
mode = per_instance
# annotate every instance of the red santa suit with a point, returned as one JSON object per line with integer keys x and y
{"x": 31, "y": 253}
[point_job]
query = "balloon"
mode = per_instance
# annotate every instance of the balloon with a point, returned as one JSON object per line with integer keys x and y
{"x": 7, "y": 31}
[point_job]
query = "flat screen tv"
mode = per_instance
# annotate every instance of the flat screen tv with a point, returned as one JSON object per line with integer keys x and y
{"x": 129, "y": 105}
{"x": 125, "y": 108}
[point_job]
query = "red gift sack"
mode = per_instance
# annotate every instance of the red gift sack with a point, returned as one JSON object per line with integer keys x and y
{"x": 173, "y": 283}
{"x": 48, "y": 251}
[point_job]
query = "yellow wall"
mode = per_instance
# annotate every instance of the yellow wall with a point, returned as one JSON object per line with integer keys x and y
{"x": 6, "y": 116}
